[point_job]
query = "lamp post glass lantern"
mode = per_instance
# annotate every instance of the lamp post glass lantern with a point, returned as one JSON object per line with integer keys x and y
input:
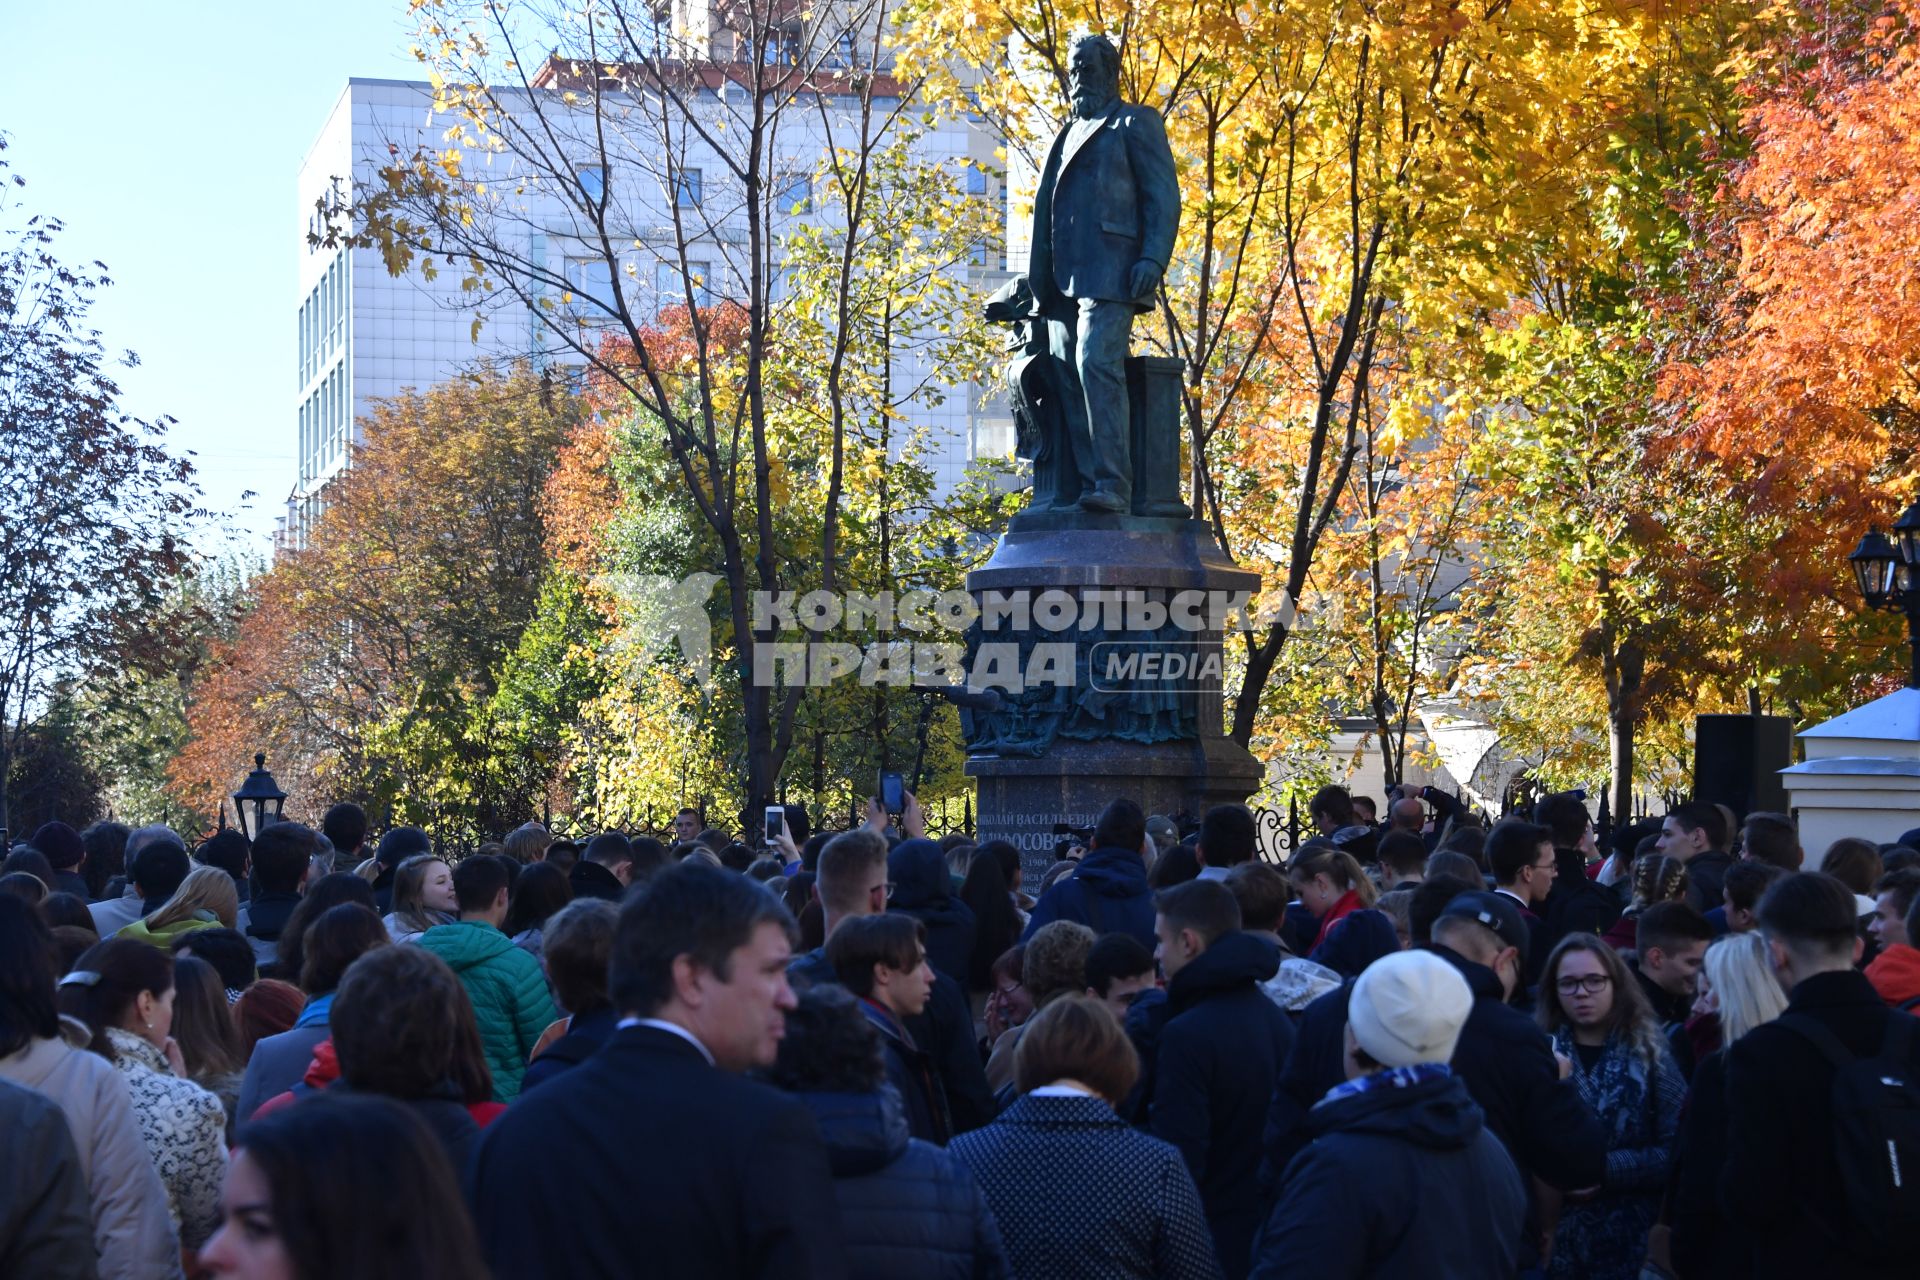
{"x": 258, "y": 802}
{"x": 1888, "y": 575}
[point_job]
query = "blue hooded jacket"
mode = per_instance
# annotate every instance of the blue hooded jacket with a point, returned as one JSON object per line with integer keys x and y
{"x": 1108, "y": 894}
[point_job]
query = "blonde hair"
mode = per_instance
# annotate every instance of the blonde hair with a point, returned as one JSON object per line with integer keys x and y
{"x": 204, "y": 889}
{"x": 1744, "y": 986}
{"x": 1338, "y": 866}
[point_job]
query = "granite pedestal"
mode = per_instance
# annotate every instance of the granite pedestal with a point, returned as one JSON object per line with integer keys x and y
{"x": 1157, "y": 740}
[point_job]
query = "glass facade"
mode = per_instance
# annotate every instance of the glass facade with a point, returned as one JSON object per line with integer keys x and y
{"x": 326, "y": 417}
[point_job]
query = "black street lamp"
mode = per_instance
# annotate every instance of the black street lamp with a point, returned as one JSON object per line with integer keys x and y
{"x": 1888, "y": 575}
{"x": 252, "y": 800}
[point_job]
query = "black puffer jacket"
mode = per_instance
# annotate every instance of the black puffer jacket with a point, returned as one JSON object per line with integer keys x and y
{"x": 1220, "y": 1056}
{"x": 923, "y": 889}
{"x": 907, "y": 1208}
{"x": 1398, "y": 1182}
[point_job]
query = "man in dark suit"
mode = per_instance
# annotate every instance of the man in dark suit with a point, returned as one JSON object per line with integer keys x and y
{"x": 1785, "y": 1176}
{"x": 656, "y": 1157}
{"x": 1104, "y": 220}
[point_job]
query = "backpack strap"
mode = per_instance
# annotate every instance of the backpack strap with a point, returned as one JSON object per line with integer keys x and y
{"x": 1909, "y": 1005}
{"x": 1822, "y": 1039}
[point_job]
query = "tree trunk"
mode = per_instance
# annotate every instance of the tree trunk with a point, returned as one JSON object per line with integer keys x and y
{"x": 1623, "y": 667}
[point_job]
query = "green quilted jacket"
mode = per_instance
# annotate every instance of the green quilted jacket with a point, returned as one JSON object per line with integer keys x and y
{"x": 509, "y": 994}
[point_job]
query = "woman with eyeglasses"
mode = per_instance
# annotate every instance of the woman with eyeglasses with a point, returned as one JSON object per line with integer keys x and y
{"x": 1593, "y": 1009}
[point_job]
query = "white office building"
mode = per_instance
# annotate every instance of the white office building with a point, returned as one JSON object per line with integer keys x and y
{"x": 365, "y": 334}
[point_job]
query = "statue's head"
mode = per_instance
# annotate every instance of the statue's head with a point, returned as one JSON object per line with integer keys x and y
{"x": 1093, "y": 73}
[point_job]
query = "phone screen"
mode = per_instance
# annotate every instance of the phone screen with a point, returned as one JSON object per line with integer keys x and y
{"x": 776, "y": 821}
{"x": 893, "y": 796}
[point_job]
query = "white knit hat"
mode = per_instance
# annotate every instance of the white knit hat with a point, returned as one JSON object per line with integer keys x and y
{"x": 1409, "y": 1007}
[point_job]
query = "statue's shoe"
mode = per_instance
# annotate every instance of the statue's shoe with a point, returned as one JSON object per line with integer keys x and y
{"x": 1106, "y": 503}
{"x": 1169, "y": 510}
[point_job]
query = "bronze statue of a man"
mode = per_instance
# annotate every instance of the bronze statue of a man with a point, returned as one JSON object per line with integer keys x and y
{"x": 1104, "y": 221}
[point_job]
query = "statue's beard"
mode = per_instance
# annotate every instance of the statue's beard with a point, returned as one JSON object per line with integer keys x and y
{"x": 1090, "y": 100}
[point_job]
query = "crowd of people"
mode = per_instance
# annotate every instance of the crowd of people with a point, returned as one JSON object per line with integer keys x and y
{"x": 1418, "y": 1047}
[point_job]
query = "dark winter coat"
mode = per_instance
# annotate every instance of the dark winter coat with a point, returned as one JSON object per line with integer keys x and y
{"x": 1080, "y": 1195}
{"x": 672, "y": 1169}
{"x": 262, "y": 920}
{"x": 1398, "y": 1182}
{"x": 1574, "y": 904}
{"x": 1356, "y": 940}
{"x": 591, "y": 880}
{"x": 1669, "y": 1010}
{"x": 67, "y": 881}
{"x": 1220, "y": 1055}
{"x": 910, "y": 1070}
{"x": 445, "y": 1115}
{"x": 907, "y": 1208}
{"x": 1298, "y": 928}
{"x": 585, "y": 1035}
{"x": 1108, "y": 893}
{"x": 1782, "y": 1180}
{"x": 1503, "y": 1058}
{"x": 923, "y": 889}
{"x": 1703, "y": 1244}
{"x": 944, "y": 1030}
{"x": 1707, "y": 879}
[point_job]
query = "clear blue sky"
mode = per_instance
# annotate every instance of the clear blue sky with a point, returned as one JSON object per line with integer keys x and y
{"x": 169, "y": 138}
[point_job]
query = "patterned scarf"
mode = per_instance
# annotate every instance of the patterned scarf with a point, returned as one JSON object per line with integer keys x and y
{"x": 1389, "y": 1078}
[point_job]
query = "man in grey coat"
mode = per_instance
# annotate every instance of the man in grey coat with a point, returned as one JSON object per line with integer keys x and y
{"x": 1104, "y": 220}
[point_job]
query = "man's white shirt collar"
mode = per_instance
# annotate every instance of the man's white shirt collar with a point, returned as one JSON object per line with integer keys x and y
{"x": 672, "y": 1028}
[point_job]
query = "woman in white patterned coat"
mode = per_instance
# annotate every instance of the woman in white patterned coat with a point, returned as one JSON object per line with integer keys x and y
{"x": 123, "y": 991}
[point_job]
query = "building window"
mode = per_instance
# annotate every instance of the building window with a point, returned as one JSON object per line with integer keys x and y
{"x": 667, "y": 283}
{"x": 976, "y": 180}
{"x": 993, "y": 438}
{"x": 793, "y": 194}
{"x": 782, "y": 48}
{"x": 686, "y": 188}
{"x": 593, "y": 181}
{"x": 591, "y": 279}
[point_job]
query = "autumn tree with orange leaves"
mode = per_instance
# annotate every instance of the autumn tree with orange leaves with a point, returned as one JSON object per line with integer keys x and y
{"x": 368, "y": 661}
{"x": 1800, "y": 375}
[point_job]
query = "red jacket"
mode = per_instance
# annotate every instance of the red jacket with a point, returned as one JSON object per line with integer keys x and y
{"x": 1895, "y": 974}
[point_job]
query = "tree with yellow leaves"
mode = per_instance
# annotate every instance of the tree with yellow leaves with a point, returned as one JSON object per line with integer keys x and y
{"x": 1354, "y": 179}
